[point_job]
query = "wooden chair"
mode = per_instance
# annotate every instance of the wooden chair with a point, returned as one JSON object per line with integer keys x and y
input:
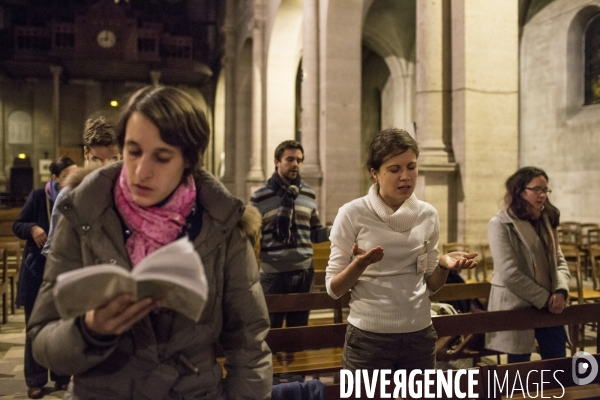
{"x": 457, "y": 246}
{"x": 319, "y": 282}
{"x": 487, "y": 262}
{"x": 4, "y": 285}
{"x": 578, "y": 293}
{"x": 13, "y": 253}
{"x": 321, "y": 255}
{"x": 592, "y": 248}
{"x": 569, "y": 232}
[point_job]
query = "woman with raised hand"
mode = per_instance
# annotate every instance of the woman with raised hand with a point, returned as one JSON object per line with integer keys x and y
{"x": 32, "y": 225}
{"x": 529, "y": 267}
{"x": 123, "y": 212}
{"x": 389, "y": 326}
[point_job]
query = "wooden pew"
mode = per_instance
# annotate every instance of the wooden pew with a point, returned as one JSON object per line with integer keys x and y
{"x": 462, "y": 291}
{"x": 318, "y": 349}
{"x": 307, "y": 302}
{"x": 324, "y": 357}
{"x": 469, "y": 346}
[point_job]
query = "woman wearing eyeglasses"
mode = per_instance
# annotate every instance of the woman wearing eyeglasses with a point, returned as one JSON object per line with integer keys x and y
{"x": 529, "y": 267}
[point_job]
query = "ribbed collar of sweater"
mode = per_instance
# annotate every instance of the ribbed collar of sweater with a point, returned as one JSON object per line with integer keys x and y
{"x": 403, "y": 219}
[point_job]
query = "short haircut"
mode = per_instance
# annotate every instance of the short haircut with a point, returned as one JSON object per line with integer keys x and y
{"x": 99, "y": 132}
{"x": 389, "y": 143}
{"x": 288, "y": 144}
{"x": 60, "y": 164}
{"x": 180, "y": 122}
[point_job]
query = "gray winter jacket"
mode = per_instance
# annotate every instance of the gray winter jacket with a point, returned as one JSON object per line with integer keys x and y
{"x": 513, "y": 282}
{"x": 156, "y": 359}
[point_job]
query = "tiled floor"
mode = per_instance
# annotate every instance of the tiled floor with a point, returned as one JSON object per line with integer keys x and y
{"x": 12, "y": 341}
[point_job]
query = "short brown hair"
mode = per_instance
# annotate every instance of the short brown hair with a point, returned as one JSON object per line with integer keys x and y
{"x": 99, "y": 132}
{"x": 389, "y": 143}
{"x": 287, "y": 144}
{"x": 180, "y": 122}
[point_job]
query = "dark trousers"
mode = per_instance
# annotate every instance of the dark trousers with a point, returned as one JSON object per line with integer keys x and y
{"x": 552, "y": 343}
{"x": 394, "y": 351}
{"x": 298, "y": 281}
{"x": 36, "y": 375}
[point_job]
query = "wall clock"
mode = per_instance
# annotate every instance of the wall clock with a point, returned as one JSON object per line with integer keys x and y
{"x": 106, "y": 39}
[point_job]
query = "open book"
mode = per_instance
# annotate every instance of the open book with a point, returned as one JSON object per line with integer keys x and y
{"x": 174, "y": 273}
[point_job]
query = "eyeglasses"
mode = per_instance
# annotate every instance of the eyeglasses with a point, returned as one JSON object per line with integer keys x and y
{"x": 538, "y": 190}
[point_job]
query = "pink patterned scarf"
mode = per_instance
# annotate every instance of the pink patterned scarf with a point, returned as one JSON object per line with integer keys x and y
{"x": 153, "y": 227}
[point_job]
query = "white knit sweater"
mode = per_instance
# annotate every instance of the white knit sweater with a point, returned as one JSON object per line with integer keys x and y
{"x": 391, "y": 296}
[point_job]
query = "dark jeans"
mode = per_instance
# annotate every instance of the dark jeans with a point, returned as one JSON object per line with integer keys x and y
{"x": 552, "y": 343}
{"x": 394, "y": 351}
{"x": 299, "y": 281}
{"x": 35, "y": 374}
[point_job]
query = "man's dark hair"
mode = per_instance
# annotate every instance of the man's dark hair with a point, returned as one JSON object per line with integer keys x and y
{"x": 99, "y": 132}
{"x": 288, "y": 144}
{"x": 57, "y": 166}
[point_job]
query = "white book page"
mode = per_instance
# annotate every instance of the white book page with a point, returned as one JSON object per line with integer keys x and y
{"x": 174, "y": 274}
{"x": 84, "y": 289}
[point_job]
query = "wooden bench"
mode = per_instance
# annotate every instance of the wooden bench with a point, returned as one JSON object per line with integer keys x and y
{"x": 469, "y": 346}
{"x": 328, "y": 337}
{"x": 462, "y": 291}
{"x": 317, "y": 349}
{"x": 292, "y": 302}
{"x": 315, "y": 358}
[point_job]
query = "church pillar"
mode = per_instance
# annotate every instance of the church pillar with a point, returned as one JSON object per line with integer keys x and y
{"x": 56, "y": 72}
{"x": 311, "y": 170}
{"x": 436, "y": 161}
{"x": 485, "y": 108}
{"x": 155, "y": 77}
{"x": 228, "y": 177}
{"x": 256, "y": 177}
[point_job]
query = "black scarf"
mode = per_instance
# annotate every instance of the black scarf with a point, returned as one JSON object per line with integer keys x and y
{"x": 286, "y": 229}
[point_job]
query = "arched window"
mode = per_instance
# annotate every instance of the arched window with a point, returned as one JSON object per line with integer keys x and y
{"x": 592, "y": 61}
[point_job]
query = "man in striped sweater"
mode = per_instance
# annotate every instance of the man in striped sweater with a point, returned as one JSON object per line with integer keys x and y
{"x": 290, "y": 224}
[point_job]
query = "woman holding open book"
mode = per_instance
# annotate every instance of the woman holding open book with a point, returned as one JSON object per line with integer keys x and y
{"x": 122, "y": 213}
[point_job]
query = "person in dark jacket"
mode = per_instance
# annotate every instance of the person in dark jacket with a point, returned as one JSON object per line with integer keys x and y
{"x": 32, "y": 225}
{"x": 119, "y": 214}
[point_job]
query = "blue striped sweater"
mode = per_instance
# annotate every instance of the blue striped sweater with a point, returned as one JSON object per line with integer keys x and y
{"x": 276, "y": 256}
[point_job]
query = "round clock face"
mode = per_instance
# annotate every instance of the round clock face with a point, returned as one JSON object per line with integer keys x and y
{"x": 106, "y": 39}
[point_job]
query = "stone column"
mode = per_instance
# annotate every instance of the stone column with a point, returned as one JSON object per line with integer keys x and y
{"x": 228, "y": 178}
{"x": 155, "y": 77}
{"x": 436, "y": 161}
{"x": 256, "y": 176}
{"x": 311, "y": 170}
{"x": 485, "y": 108}
{"x": 56, "y": 71}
